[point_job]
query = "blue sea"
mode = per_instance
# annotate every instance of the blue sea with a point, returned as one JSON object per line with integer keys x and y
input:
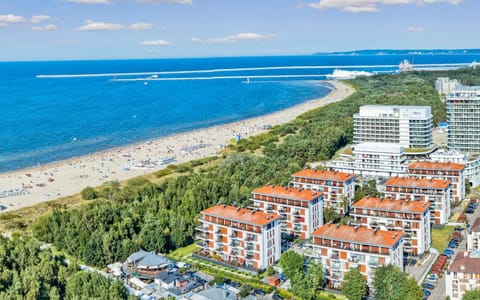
{"x": 49, "y": 119}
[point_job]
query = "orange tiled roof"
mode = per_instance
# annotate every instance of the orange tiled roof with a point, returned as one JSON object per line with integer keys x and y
{"x": 360, "y": 235}
{"x": 240, "y": 214}
{"x": 287, "y": 192}
{"x": 392, "y": 205}
{"x": 435, "y": 165}
{"x": 324, "y": 174}
{"x": 416, "y": 182}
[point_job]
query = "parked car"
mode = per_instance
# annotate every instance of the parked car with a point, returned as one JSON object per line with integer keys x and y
{"x": 259, "y": 292}
{"x": 427, "y": 293}
{"x": 448, "y": 251}
{"x": 458, "y": 229}
{"x": 277, "y": 297}
{"x": 469, "y": 210}
{"x": 452, "y": 245}
{"x": 428, "y": 286}
{"x": 432, "y": 277}
{"x": 412, "y": 262}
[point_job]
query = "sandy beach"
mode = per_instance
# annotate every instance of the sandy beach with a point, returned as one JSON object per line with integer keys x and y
{"x": 27, "y": 187}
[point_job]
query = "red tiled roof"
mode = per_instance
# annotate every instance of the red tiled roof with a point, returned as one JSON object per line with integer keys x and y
{"x": 240, "y": 214}
{"x": 469, "y": 263}
{"x": 418, "y": 182}
{"x": 392, "y": 205}
{"x": 361, "y": 235}
{"x": 475, "y": 226}
{"x": 287, "y": 193}
{"x": 324, "y": 174}
{"x": 434, "y": 165}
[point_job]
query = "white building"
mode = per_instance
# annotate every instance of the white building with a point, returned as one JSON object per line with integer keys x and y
{"x": 409, "y": 126}
{"x": 373, "y": 159}
{"x": 463, "y": 117}
{"x": 463, "y": 274}
{"x": 471, "y": 162}
{"x": 473, "y": 236}
{"x": 445, "y": 85}
{"x": 332, "y": 184}
{"x": 240, "y": 236}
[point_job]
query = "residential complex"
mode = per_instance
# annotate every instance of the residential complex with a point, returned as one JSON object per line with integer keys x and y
{"x": 445, "y": 85}
{"x": 450, "y": 171}
{"x": 338, "y": 188}
{"x": 434, "y": 191}
{"x": 300, "y": 210}
{"x": 470, "y": 160}
{"x": 373, "y": 159}
{"x": 473, "y": 236}
{"x": 342, "y": 247}
{"x": 410, "y": 217}
{"x": 409, "y": 126}
{"x": 463, "y": 274}
{"x": 463, "y": 116}
{"x": 240, "y": 236}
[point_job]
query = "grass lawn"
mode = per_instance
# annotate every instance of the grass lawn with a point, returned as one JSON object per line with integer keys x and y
{"x": 179, "y": 253}
{"x": 327, "y": 295}
{"x": 440, "y": 237}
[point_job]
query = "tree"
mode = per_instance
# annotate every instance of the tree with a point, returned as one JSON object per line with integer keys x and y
{"x": 244, "y": 291}
{"x": 330, "y": 215}
{"x": 89, "y": 193}
{"x": 291, "y": 263}
{"x": 354, "y": 285}
{"x": 472, "y": 294}
{"x": 314, "y": 276}
{"x": 390, "y": 283}
{"x": 270, "y": 270}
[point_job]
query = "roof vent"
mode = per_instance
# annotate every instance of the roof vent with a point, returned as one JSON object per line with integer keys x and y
{"x": 338, "y": 225}
{"x": 238, "y": 208}
{"x": 375, "y": 230}
{"x": 394, "y": 235}
{"x": 355, "y": 228}
{"x": 254, "y": 211}
{"x": 224, "y": 205}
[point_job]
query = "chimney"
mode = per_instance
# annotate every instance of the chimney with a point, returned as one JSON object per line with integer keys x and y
{"x": 375, "y": 230}
{"x": 355, "y": 228}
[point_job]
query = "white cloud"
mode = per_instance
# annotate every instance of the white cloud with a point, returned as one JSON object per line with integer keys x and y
{"x": 48, "y": 27}
{"x": 89, "y": 1}
{"x": 39, "y": 18}
{"x": 250, "y": 36}
{"x": 166, "y": 1}
{"x": 99, "y": 26}
{"x": 359, "y": 6}
{"x": 140, "y": 26}
{"x": 156, "y": 43}
{"x": 11, "y": 19}
{"x": 415, "y": 29}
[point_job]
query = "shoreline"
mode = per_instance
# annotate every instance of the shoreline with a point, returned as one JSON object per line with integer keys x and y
{"x": 51, "y": 181}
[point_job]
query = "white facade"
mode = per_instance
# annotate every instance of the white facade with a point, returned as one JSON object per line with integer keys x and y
{"x": 373, "y": 159}
{"x": 445, "y": 85}
{"x": 409, "y": 126}
{"x": 471, "y": 162}
{"x": 239, "y": 236}
{"x": 473, "y": 236}
{"x": 463, "y": 116}
{"x": 463, "y": 274}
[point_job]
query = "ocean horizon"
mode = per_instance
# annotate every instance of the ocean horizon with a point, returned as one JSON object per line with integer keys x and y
{"x": 50, "y": 119}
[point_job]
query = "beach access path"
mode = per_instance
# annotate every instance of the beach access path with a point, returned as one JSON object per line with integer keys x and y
{"x": 68, "y": 177}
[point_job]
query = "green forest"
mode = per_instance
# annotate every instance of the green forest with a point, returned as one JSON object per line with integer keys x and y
{"x": 117, "y": 219}
{"x": 162, "y": 217}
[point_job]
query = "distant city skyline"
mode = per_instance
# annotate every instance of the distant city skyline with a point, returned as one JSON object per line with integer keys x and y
{"x": 121, "y": 29}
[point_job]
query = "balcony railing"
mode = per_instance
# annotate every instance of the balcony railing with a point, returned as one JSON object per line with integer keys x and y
{"x": 202, "y": 228}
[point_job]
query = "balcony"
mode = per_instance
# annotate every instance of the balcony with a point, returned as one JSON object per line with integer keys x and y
{"x": 219, "y": 240}
{"x": 219, "y": 249}
{"x": 298, "y": 219}
{"x": 251, "y": 238}
{"x": 373, "y": 263}
{"x": 296, "y": 212}
{"x": 234, "y": 253}
{"x": 335, "y": 266}
{"x": 249, "y": 246}
{"x": 297, "y": 228}
{"x": 269, "y": 208}
{"x": 218, "y": 231}
{"x": 334, "y": 256}
{"x": 249, "y": 257}
{"x": 202, "y": 236}
{"x": 202, "y": 228}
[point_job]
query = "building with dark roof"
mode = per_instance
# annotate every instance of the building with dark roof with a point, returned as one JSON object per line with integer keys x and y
{"x": 473, "y": 236}
{"x": 463, "y": 274}
{"x": 145, "y": 264}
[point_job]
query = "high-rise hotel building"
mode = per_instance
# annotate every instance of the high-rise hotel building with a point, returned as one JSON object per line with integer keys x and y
{"x": 463, "y": 116}
{"x": 409, "y": 126}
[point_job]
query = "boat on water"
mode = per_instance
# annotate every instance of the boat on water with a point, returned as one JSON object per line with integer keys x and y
{"x": 344, "y": 74}
{"x": 405, "y": 66}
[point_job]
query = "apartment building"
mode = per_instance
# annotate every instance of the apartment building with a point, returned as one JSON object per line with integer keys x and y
{"x": 473, "y": 236}
{"x": 240, "y": 236}
{"x": 409, "y": 126}
{"x": 334, "y": 186}
{"x": 443, "y": 170}
{"x": 463, "y": 116}
{"x": 435, "y": 191}
{"x": 410, "y": 217}
{"x": 300, "y": 210}
{"x": 445, "y": 85}
{"x": 470, "y": 160}
{"x": 342, "y": 247}
{"x": 373, "y": 160}
{"x": 463, "y": 274}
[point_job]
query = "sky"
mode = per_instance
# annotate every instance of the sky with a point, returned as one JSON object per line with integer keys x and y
{"x": 120, "y": 29}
